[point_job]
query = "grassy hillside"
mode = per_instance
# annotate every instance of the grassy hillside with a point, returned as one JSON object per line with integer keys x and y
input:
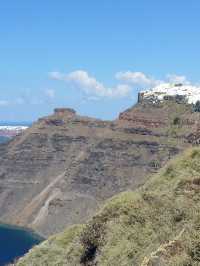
{"x": 159, "y": 224}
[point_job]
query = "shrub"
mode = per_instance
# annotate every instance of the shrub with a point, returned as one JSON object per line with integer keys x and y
{"x": 177, "y": 121}
{"x": 197, "y": 106}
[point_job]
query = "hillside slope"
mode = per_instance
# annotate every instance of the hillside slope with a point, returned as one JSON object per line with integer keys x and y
{"x": 57, "y": 172}
{"x": 159, "y": 224}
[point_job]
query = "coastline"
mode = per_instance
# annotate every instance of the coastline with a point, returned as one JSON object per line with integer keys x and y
{"x": 36, "y": 235}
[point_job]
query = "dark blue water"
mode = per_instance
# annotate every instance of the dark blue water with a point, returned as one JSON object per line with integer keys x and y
{"x": 15, "y": 242}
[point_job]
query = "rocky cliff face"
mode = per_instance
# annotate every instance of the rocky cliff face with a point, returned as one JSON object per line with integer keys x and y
{"x": 61, "y": 169}
{"x": 155, "y": 225}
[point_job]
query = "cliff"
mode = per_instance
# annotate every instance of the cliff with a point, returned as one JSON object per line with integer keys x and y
{"x": 59, "y": 171}
{"x": 158, "y": 224}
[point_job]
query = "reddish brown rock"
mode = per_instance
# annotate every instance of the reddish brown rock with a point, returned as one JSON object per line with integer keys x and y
{"x": 58, "y": 171}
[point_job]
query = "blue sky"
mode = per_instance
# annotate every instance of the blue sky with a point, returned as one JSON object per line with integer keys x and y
{"x": 92, "y": 56}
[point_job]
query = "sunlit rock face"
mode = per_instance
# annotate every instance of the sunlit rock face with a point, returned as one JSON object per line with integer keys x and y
{"x": 183, "y": 93}
{"x": 60, "y": 170}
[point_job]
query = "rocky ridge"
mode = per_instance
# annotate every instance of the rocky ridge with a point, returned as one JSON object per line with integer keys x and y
{"x": 60, "y": 170}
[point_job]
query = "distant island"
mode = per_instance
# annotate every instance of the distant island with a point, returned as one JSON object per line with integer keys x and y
{"x": 9, "y": 130}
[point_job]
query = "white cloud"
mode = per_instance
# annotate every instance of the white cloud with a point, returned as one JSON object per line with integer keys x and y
{"x": 90, "y": 86}
{"x": 142, "y": 80}
{"x": 137, "y": 79}
{"x": 120, "y": 90}
{"x": 172, "y": 78}
{"x": 128, "y": 81}
{"x": 87, "y": 83}
{"x": 50, "y": 93}
{"x": 4, "y": 103}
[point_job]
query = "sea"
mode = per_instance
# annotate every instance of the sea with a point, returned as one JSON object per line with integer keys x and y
{"x": 15, "y": 242}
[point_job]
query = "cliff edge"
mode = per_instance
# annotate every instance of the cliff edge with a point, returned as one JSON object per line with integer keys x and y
{"x": 58, "y": 172}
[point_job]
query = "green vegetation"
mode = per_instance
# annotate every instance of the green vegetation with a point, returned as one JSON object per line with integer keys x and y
{"x": 159, "y": 224}
{"x": 177, "y": 121}
{"x": 155, "y": 164}
{"x": 197, "y": 107}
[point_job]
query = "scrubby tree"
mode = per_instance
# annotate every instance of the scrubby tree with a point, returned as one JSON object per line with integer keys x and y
{"x": 197, "y": 106}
